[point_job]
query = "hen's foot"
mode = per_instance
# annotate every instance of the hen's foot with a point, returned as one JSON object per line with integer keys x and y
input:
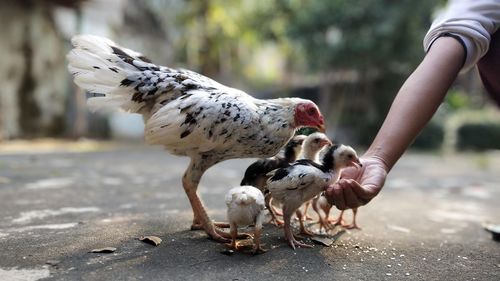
{"x": 199, "y": 226}
{"x": 217, "y": 235}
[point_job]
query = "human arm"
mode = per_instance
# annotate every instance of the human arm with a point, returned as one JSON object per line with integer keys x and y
{"x": 413, "y": 107}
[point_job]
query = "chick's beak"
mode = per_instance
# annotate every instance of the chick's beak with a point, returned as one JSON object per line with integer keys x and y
{"x": 356, "y": 162}
{"x": 325, "y": 142}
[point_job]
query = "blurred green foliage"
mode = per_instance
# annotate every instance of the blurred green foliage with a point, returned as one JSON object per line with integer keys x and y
{"x": 375, "y": 43}
{"x": 431, "y": 137}
{"x": 479, "y": 136}
{"x": 456, "y": 100}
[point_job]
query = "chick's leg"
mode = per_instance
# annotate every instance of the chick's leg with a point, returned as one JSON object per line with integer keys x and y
{"x": 353, "y": 225}
{"x": 306, "y": 210}
{"x": 234, "y": 232}
{"x": 270, "y": 208}
{"x": 339, "y": 220}
{"x": 276, "y": 211}
{"x": 303, "y": 229}
{"x": 256, "y": 239}
{"x": 287, "y": 216}
{"x": 323, "y": 222}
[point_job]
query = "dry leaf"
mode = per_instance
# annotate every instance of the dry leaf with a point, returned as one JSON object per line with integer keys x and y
{"x": 106, "y": 250}
{"x": 337, "y": 235}
{"x": 152, "y": 240}
{"x": 322, "y": 241}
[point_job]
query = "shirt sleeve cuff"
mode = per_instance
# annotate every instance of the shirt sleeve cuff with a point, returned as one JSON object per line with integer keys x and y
{"x": 469, "y": 61}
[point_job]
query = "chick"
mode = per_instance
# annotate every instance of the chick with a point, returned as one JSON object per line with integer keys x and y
{"x": 311, "y": 148}
{"x": 305, "y": 179}
{"x": 321, "y": 203}
{"x": 245, "y": 206}
{"x": 255, "y": 174}
{"x": 352, "y": 225}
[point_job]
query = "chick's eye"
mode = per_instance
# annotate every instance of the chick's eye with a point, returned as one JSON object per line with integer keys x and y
{"x": 316, "y": 140}
{"x": 350, "y": 156}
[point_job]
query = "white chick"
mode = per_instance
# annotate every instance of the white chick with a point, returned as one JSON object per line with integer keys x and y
{"x": 245, "y": 206}
{"x": 305, "y": 179}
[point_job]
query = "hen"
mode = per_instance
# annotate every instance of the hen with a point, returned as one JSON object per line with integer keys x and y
{"x": 245, "y": 206}
{"x": 187, "y": 113}
{"x": 305, "y": 179}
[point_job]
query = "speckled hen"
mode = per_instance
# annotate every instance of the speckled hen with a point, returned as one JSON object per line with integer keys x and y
{"x": 187, "y": 113}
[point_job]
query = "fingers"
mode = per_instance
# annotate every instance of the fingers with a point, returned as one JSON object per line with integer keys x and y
{"x": 338, "y": 197}
{"x": 350, "y": 173}
{"x": 351, "y": 199}
{"x": 347, "y": 194}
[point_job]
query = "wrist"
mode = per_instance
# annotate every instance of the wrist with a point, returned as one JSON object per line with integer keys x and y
{"x": 380, "y": 158}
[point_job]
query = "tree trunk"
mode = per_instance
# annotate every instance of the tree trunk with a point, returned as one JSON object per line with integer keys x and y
{"x": 33, "y": 71}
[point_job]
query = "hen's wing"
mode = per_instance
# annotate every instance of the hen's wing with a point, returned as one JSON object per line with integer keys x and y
{"x": 200, "y": 121}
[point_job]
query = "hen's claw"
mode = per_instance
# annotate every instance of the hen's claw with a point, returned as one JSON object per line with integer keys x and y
{"x": 199, "y": 226}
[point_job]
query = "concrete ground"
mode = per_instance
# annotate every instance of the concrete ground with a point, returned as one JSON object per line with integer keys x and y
{"x": 55, "y": 207}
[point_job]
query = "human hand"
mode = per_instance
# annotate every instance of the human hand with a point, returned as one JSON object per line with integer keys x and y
{"x": 357, "y": 186}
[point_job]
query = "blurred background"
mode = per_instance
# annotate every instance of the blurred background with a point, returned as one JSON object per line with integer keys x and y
{"x": 350, "y": 57}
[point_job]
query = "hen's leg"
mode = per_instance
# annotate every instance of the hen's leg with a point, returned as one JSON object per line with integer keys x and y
{"x": 353, "y": 225}
{"x": 190, "y": 182}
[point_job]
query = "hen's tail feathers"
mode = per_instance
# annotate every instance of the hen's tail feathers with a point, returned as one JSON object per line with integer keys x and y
{"x": 100, "y": 66}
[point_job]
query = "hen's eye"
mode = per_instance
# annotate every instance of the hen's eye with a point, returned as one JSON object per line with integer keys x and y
{"x": 311, "y": 111}
{"x": 316, "y": 140}
{"x": 350, "y": 156}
